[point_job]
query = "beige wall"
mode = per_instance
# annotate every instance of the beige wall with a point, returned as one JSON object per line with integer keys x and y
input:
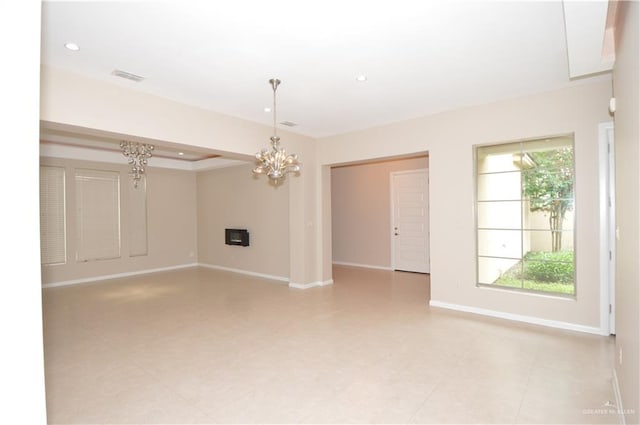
{"x": 234, "y": 198}
{"x": 171, "y": 223}
{"x": 627, "y": 137}
{"x": 449, "y": 138}
{"x": 361, "y": 210}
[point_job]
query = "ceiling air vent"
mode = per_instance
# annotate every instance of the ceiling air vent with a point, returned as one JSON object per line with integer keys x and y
{"x": 288, "y": 123}
{"x": 127, "y": 75}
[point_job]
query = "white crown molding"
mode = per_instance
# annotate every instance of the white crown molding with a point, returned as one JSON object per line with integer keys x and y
{"x": 213, "y": 163}
{"x": 95, "y": 155}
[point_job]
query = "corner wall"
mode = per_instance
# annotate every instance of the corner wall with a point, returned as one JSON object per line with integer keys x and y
{"x": 627, "y": 138}
{"x": 233, "y": 198}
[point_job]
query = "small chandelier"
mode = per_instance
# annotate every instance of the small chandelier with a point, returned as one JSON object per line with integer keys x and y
{"x": 138, "y": 153}
{"x": 275, "y": 162}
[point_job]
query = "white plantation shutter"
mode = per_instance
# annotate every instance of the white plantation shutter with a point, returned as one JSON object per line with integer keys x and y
{"x": 138, "y": 218}
{"x": 97, "y": 214}
{"x": 52, "y": 215}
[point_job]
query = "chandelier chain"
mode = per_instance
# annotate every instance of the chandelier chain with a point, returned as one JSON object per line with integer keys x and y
{"x": 274, "y": 83}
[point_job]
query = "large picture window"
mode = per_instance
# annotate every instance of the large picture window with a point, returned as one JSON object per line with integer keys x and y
{"x": 525, "y": 215}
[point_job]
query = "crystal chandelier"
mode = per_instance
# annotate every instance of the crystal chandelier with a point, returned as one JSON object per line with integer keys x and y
{"x": 138, "y": 153}
{"x": 275, "y": 162}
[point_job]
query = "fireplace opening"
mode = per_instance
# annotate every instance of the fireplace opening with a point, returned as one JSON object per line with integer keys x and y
{"x": 236, "y": 237}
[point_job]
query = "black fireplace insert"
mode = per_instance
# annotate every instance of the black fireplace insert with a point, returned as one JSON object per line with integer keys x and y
{"x": 236, "y": 237}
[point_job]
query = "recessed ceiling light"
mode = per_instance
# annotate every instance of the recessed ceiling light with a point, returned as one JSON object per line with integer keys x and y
{"x": 72, "y": 46}
{"x": 361, "y": 78}
{"x": 267, "y": 109}
{"x": 180, "y": 153}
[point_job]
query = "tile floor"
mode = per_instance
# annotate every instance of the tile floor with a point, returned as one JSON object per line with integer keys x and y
{"x": 204, "y": 346}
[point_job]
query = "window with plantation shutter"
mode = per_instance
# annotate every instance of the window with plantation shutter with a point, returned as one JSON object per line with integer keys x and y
{"x": 138, "y": 218}
{"x": 52, "y": 216}
{"x": 97, "y": 214}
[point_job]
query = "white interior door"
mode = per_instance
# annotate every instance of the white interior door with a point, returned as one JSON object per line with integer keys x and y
{"x": 410, "y": 221}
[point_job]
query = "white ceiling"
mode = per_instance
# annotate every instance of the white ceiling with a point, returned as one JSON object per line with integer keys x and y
{"x": 420, "y": 57}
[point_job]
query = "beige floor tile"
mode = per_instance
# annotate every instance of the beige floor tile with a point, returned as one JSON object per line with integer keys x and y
{"x": 465, "y": 397}
{"x": 205, "y": 346}
{"x": 553, "y": 397}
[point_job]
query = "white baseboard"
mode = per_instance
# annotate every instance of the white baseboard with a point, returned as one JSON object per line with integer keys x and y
{"x": 245, "y": 272}
{"x": 310, "y": 285}
{"x": 616, "y": 390}
{"x": 210, "y": 266}
{"x": 520, "y": 318}
{"x": 366, "y": 266}
{"x": 116, "y": 276}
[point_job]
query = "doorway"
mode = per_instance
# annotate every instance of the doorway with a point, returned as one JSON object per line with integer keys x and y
{"x": 360, "y": 199}
{"x": 607, "y": 228}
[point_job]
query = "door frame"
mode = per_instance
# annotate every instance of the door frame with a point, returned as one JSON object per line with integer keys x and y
{"x": 607, "y": 204}
{"x": 392, "y": 215}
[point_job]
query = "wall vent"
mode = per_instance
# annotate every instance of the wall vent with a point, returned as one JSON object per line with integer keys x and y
{"x": 288, "y": 123}
{"x": 127, "y": 75}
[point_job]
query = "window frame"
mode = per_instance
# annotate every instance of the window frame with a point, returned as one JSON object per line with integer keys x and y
{"x": 522, "y": 229}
